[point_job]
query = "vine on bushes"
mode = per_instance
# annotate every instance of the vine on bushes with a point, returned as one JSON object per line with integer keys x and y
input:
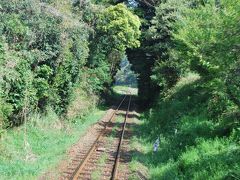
{"x": 39, "y": 54}
{"x": 45, "y": 51}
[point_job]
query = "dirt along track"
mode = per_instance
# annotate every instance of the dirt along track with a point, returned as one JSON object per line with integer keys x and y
{"x": 104, "y": 153}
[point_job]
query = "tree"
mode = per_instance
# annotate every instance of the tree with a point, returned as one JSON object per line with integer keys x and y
{"x": 208, "y": 39}
{"x": 117, "y": 29}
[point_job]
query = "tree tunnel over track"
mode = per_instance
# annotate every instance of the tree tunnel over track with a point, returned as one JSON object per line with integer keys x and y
{"x": 137, "y": 48}
{"x": 126, "y": 79}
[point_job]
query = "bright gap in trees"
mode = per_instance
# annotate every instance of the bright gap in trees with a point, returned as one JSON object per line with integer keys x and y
{"x": 126, "y": 79}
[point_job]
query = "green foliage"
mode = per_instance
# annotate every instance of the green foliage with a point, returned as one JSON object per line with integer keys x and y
{"x": 195, "y": 117}
{"x": 165, "y": 74}
{"x": 207, "y": 33}
{"x": 206, "y": 39}
{"x": 117, "y": 29}
{"x": 15, "y": 30}
{"x": 233, "y": 84}
{"x": 17, "y": 86}
{"x": 214, "y": 159}
{"x": 44, "y": 51}
{"x": 5, "y": 112}
{"x": 51, "y": 51}
{"x": 41, "y": 57}
{"x": 154, "y": 54}
{"x": 28, "y": 155}
{"x": 191, "y": 145}
{"x": 120, "y": 26}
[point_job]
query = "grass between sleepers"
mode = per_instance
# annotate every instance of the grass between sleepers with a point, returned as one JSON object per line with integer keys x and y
{"x": 97, "y": 173}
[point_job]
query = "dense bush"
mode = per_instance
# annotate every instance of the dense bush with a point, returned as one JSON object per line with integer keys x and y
{"x": 182, "y": 36}
{"x": 52, "y": 51}
{"x": 44, "y": 52}
{"x": 117, "y": 29}
{"x": 192, "y": 144}
{"x": 41, "y": 57}
{"x": 196, "y": 122}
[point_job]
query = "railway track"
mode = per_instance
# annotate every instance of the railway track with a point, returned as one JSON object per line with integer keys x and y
{"x": 100, "y": 149}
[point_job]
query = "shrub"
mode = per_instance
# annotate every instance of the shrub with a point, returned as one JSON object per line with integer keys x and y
{"x": 41, "y": 57}
{"x": 216, "y": 158}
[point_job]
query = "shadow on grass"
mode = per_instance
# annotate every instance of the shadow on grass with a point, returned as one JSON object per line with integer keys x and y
{"x": 181, "y": 123}
{"x": 164, "y": 119}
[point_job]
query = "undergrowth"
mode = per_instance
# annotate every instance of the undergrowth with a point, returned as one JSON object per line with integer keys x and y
{"x": 29, "y": 150}
{"x": 192, "y": 145}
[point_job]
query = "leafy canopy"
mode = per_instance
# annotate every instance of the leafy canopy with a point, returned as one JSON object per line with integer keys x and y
{"x": 120, "y": 27}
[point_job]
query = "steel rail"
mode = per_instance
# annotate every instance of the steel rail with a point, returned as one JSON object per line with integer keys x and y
{"x": 78, "y": 170}
{"x": 118, "y": 155}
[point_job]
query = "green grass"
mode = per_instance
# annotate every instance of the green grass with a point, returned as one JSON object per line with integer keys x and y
{"x": 125, "y": 90}
{"x": 96, "y": 175}
{"x": 26, "y": 156}
{"x": 102, "y": 159}
{"x": 192, "y": 146}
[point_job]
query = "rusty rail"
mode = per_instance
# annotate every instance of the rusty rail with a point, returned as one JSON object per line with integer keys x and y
{"x": 94, "y": 146}
{"x": 116, "y": 163}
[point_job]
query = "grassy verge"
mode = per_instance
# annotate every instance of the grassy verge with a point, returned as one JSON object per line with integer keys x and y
{"x": 29, "y": 150}
{"x": 125, "y": 90}
{"x": 192, "y": 145}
